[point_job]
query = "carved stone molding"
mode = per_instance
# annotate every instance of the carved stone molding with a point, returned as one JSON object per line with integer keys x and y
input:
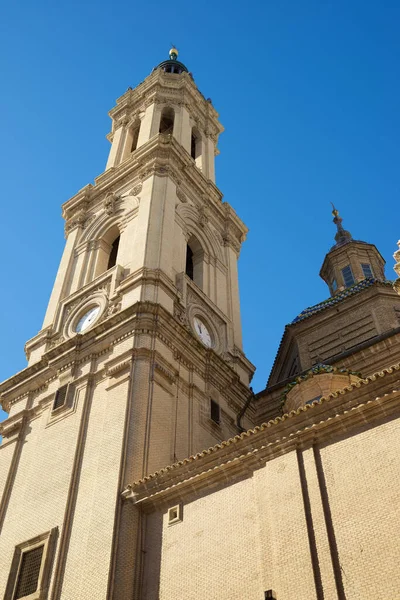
{"x": 161, "y": 170}
{"x": 181, "y": 196}
{"x": 180, "y": 314}
{"x": 109, "y": 203}
{"x": 136, "y": 189}
{"x": 112, "y": 308}
{"x": 56, "y": 341}
{"x": 219, "y": 237}
{"x": 232, "y": 243}
{"x": 77, "y": 220}
{"x": 203, "y": 216}
{"x": 123, "y": 122}
{"x": 13, "y": 425}
{"x": 90, "y": 218}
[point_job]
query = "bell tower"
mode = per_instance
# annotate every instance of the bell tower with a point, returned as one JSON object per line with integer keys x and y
{"x": 139, "y": 362}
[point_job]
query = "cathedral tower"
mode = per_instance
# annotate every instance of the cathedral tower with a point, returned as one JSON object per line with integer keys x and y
{"x": 139, "y": 362}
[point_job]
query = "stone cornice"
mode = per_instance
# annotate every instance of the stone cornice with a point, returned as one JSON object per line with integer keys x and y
{"x": 144, "y": 318}
{"x": 13, "y": 425}
{"x": 163, "y": 156}
{"x": 161, "y": 88}
{"x": 340, "y": 413}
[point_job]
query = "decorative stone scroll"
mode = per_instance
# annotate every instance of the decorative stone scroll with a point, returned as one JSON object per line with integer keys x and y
{"x": 180, "y": 314}
{"x": 109, "y": 203}
{"x": 77, "y": 220}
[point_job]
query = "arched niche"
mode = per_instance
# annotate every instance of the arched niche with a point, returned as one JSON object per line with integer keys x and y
{"x": 208, "y": 240}
{"x": 107, "y": 251}
{"x": 195, "y": 261}
{"x": 196, "y": 147}
{"x": 167, "y": 120}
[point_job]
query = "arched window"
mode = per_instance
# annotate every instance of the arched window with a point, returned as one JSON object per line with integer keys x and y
{"x": 196, "y": 147}
{"x": 106, "y": 252}
{"x": 189, "y": 262}
{"x": 112, "y": 259}
{"x": 195, "y": 261}
{"x": 167, "y": 120}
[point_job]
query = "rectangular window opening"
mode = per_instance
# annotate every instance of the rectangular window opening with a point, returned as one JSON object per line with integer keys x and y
{"x": 367, "y": 270}
{"x": 175, "y": 514}
{"x": 215, "y": 412}
{"x": 348, "y": 276}
{"x": 31, "y": 567}
{"x": 60, "y": 397}
{"x": 28, "y": 575}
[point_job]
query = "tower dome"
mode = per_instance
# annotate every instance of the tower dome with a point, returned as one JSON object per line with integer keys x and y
{"x": 172, "y": 65}
{"x": 350, "y": 261}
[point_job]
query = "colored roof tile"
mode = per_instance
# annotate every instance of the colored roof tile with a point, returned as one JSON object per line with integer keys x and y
{"x": 350, "y": 291}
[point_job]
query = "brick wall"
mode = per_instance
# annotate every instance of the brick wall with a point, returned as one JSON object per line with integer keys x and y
{"x": 312, "y": 524}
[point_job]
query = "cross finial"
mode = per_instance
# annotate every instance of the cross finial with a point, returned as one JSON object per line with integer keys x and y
{"x": 342, "y": 236}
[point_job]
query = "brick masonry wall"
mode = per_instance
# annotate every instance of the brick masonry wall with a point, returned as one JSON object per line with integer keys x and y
{"x": 362, "y": 477}
{"x": 37, "y": 503}
{"x": 316, "y": 524}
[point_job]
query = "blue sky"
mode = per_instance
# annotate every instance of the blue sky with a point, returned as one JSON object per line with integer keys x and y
{"x": 308, "y": 92}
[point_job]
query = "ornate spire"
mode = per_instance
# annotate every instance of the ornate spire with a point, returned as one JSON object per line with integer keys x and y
{"x": 342, "y": 236}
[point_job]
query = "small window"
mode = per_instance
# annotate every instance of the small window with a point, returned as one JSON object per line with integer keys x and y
{"x": 112, "y": 261}
{"x": 60, "y": 397}
{"x": 348, "y": 277}
{"x": 334, "y": 285}
{"x": 175, "y": 514}
{"x": 367, "y": 270}
{"x": 31, "y": 568}
{"x": 28, "y": 574}
{"x": 215, "y": 412}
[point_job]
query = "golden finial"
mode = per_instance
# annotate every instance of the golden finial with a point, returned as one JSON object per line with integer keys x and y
{"x": 173, "y": 53}
{"x": 335, "y": 212}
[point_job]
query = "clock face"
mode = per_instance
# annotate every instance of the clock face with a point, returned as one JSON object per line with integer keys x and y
{"x": 87, "y": 319}
{"x": 202, "y": 332}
